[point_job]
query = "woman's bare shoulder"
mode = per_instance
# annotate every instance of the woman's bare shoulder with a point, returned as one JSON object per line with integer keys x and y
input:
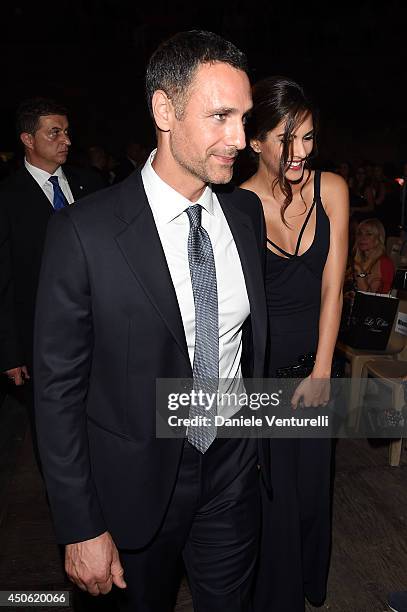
{"x": 331, "y": 181}
{"x": 334, "y": 193}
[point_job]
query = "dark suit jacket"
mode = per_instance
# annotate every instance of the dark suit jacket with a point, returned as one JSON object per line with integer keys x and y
{"x": 107, "y": 326}
{"x": 24, "y": 214}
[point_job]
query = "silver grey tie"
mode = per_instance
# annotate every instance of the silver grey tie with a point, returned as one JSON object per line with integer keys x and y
{"x": 206, "y": 356}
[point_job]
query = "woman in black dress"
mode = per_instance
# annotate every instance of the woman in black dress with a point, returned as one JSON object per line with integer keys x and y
{"x": 306, "y": 216}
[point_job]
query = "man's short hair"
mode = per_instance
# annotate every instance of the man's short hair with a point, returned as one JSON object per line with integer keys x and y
{"x": 29, "y": 113}
{"x": 172, "y": 66}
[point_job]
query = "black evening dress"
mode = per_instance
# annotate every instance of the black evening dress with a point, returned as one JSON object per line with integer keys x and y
{"x": 295, "y": 544}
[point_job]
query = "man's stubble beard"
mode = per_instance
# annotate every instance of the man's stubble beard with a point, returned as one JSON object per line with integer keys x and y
{"x": 199, "y": 169}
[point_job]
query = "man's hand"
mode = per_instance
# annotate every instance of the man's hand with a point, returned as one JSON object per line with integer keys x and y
{"x": 17, "y": 375}
{"x": 94, "y": 565}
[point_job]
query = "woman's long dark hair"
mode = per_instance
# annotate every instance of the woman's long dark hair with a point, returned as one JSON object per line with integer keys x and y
{"x": 275, "y": 99}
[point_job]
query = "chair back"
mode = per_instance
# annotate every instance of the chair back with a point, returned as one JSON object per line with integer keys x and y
{"x": 393, "y": 247}
{"x": 398, "y": 336}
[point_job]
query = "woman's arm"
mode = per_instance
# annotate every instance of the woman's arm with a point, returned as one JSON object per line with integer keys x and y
{"x": 373, "y": 282}
{"x": 380, "y": 193}
{"x": 380, "y": 278}
{"x": 369, "y": 282}
{"x": 387, "y": 272}
{"x": 335, "y": 196}
{"x": 369, "y": 196}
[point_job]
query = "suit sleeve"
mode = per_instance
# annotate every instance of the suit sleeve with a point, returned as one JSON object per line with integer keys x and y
{"x": 63, "y": 344}
{"x": 10, "y": 346}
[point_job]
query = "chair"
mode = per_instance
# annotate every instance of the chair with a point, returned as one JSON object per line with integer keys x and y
{"x": 387, "y": 372}
{"x": 357, "y": 358}
{"x": 393, "y": 249}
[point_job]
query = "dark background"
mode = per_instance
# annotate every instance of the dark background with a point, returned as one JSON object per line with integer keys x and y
{"x": 91, "y": 54}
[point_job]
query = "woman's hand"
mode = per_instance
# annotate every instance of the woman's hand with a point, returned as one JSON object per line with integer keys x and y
{"x": 311, "y": 392}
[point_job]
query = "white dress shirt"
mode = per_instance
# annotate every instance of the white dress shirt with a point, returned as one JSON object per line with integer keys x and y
{"x": 168, "y": 208}
{"x": 41, "y": 176}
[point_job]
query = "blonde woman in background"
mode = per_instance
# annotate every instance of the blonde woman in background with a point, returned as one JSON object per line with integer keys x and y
{"x": 371, "y": 268}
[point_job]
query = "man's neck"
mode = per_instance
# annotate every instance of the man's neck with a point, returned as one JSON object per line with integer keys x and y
{"x": 46, "y": 167}
{"x": 177, "y": 177}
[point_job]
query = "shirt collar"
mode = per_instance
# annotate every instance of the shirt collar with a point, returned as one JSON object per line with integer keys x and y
{"x": 166, "y": 203}
{"x": 42, "y": 176}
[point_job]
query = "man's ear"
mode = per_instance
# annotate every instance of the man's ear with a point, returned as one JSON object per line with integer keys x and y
{"x": 27, "y": 139}
{"x": 163, "y": 110}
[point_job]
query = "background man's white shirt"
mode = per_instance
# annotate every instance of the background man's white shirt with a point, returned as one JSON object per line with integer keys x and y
{"x": 41, "y": 176}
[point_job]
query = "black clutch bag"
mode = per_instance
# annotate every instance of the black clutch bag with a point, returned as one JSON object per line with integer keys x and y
{"x": 305, "y": 365}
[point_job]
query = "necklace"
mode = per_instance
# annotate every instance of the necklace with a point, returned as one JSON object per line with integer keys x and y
{"x": 364, "y": 273}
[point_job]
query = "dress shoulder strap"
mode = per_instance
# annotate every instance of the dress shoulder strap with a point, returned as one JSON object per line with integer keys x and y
{"x": 317, "y": 185}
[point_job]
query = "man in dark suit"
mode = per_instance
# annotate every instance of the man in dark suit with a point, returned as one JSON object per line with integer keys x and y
{"x": 158, "y": 277}
{"x": 26, "y": 204}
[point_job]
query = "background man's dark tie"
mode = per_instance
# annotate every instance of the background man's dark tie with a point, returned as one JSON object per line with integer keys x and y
{"x": 60, "y": 200}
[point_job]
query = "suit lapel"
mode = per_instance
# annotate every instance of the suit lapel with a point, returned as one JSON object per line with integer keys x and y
{"x": 36, "y": 199}
{"x": 75, "y": 185}
{"x": 247, "y": 247}
{"x": 141, "y": 247}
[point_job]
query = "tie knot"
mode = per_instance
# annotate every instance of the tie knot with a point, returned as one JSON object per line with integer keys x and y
{"x": 194, "y": 215}
{"x": 53, "y": 180}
